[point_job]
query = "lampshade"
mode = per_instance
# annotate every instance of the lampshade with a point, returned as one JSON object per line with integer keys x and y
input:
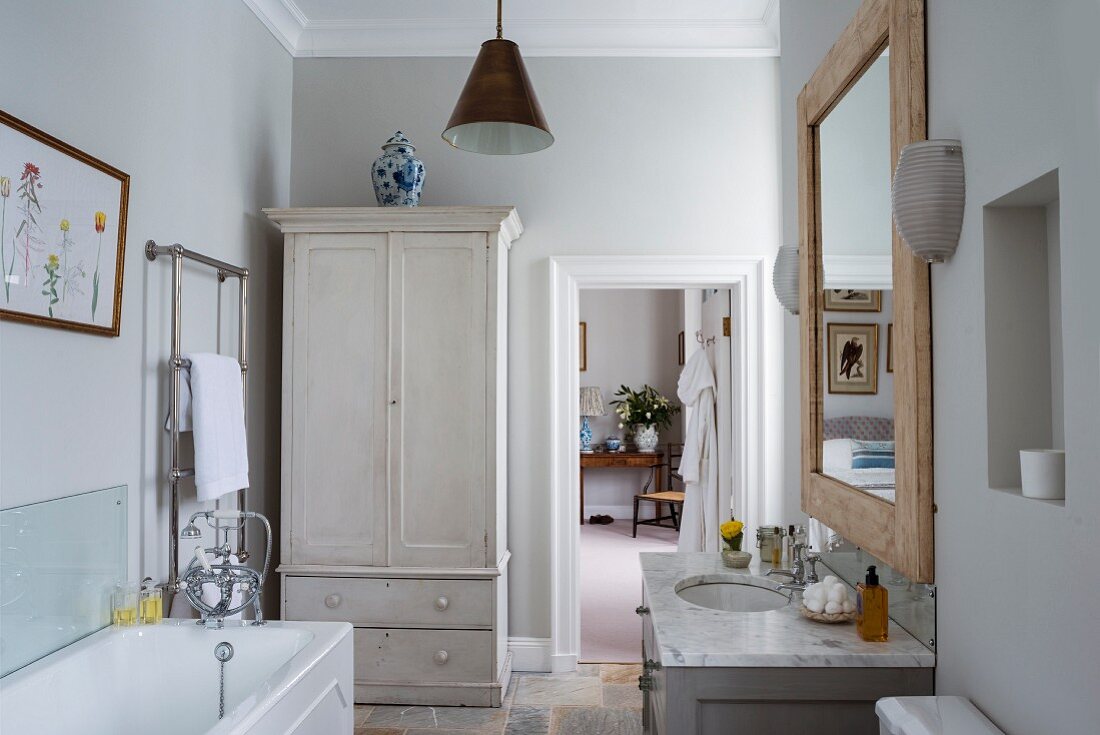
{"x": 928, "y": 197}
{"x": 497, "y": 112}
{"x": 785, "y": 277}
{"x": 592, "y": 402}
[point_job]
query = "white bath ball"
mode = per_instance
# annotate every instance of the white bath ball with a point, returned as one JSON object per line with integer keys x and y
{"x": 833, "y": 607}
{"x": 815, "y": 605}
{"x": 830, "y": 580}
{"x": 849, "y": 606}
{"x": 837, "y": 593}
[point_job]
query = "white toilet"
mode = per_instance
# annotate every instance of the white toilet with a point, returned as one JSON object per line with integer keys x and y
{"x": 932, "y": 716}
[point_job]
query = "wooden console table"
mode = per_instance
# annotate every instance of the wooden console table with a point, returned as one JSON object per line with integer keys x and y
{"x": 626, "y": 460}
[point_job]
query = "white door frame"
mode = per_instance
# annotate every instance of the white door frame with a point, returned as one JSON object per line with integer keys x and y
{"x": 567, "y": 276}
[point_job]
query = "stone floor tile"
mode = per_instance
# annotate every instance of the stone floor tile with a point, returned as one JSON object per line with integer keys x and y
{"x": 477, "y": 719}
{"x": 527, "y": 720}
{"x": 362, "y": 712}
{"x": 567, "y": 690}
{"x": 595, "y": 721}
{"x": 620, "y": 673}
{"x": 379, "y": 731}
{"x": 588, "y": 669}
{"x": 622, "y": 695}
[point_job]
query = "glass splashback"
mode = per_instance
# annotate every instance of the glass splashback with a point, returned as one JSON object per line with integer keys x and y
{"x": 912, "y": 605}
{"x": 59, "y": 561}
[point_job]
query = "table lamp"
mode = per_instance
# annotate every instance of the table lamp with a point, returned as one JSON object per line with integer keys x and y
{"x": 591, "y": 405}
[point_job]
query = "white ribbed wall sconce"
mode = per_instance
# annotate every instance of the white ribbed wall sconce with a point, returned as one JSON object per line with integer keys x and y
{"x": 785, "y": 277}
{"x": 928, "y": 198}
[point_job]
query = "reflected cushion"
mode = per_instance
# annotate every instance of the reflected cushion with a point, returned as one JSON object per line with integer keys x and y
{"x": 872, "y": 455}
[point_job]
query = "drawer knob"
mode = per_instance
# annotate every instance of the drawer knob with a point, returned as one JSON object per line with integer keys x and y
{"x": 441, "y": 657}
{"x": 442, "y": 603}
{"x": 332, "y": 601}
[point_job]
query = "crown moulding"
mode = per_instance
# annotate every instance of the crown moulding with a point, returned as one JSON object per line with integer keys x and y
{"x": 645, "y": 37}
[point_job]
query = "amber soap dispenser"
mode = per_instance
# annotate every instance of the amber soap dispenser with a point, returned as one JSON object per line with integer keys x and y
{"x": 872, "y": 608}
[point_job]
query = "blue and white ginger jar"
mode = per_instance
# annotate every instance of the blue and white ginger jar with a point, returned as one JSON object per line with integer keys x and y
{"x": 397, "y": 174}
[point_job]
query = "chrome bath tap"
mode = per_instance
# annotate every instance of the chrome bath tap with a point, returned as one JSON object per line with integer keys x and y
{"x": 803, "y": 571}
{"x": 224, "y": 575}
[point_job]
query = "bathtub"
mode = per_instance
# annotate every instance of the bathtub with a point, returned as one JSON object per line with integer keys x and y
{"x": 162, "y": 679}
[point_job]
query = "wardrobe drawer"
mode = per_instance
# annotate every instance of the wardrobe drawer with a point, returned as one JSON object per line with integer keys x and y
{"x": 436, "y": 603}
{"x": 409, "y": 655}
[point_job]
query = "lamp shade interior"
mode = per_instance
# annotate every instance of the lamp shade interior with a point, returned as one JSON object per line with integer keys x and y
{"x": 498, "y": 138}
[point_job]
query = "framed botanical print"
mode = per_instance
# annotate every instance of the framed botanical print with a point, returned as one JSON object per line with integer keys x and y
{"x": 62, "y": 232}
{"x": 890, "y": 347}
{"x": 584, "y": 346}
{"x": 850, "y": 299}
{"x": 853, "y": 358}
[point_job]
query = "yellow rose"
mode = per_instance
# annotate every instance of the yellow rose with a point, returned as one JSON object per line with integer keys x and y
{"x": 731, "y": 529}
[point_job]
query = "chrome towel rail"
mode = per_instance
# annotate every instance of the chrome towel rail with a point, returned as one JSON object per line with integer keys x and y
{"x": 176, "y": 363}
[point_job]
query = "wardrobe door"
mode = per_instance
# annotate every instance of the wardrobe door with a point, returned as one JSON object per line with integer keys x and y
{"x": 438, "y": 380}
{"x": 339, "y": 406}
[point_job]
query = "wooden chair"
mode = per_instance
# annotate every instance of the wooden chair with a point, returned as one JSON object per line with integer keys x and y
{"x": 674, "y": 498}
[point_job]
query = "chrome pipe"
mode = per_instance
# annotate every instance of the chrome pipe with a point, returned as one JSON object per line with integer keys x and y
{"x": 242, "y": 357}
{"x": 152, "y": 250}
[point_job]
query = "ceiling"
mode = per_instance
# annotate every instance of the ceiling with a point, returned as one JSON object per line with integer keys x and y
{"x": 699, "y": 28}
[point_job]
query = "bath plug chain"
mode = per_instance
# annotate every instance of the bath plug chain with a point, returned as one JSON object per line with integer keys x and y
{"x": 223, "y": 652}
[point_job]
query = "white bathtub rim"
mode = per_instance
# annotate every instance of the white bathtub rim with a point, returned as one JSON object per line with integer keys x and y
{"x": 326, "y": 636}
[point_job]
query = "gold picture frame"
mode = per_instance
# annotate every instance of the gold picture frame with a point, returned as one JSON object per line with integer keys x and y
{"x": 584, "y": 346}
{"x": 852, "y": 299}
{"x": 890, "y": 347}
{"x": 853, "y": 358}
{"x": 70, "y": 213}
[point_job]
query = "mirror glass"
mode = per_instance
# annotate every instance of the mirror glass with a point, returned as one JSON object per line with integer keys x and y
{"x": 856, "y": 246}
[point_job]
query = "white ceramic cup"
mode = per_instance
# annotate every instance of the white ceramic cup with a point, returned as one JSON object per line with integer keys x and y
{"x": 1043, "y": 473}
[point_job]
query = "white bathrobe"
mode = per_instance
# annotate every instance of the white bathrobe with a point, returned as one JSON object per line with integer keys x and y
{"x": 699, "y": 464}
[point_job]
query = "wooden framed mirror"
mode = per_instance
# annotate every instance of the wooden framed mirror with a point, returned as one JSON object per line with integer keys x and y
{"x": 866, "y": 342}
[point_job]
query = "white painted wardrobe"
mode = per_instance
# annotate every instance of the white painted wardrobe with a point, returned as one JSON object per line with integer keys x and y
{"x": 394, "y": 478}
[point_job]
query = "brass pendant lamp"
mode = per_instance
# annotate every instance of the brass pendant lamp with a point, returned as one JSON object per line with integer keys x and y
{"x": 497, "y": 112}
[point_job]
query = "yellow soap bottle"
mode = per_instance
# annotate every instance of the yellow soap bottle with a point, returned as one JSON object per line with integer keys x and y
{"x": 872, "y": 609}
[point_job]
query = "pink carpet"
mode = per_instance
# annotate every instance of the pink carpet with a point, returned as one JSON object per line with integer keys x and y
{"x": 611, "y": 587}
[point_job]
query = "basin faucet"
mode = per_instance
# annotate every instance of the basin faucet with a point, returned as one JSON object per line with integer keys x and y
{"x": 803, "y": 571}
{"x": 225, "y": 576}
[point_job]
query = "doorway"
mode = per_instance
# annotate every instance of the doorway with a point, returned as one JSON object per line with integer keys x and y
{"x": 743, "y": 277}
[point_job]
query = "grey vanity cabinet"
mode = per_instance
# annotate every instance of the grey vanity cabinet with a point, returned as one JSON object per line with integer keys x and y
{"x": 683, "y": 700}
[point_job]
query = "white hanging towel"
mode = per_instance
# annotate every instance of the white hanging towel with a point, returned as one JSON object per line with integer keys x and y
{"x": 699, "y": 463}
{"x": 217, "y": 421}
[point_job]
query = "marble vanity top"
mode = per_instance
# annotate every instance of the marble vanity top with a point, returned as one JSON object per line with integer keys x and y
{"x": 689, "y": 635}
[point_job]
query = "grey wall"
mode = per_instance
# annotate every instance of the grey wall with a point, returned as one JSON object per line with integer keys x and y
{"x": 193, "y": 101}
{"x": 652, "y": 156}
{"x": 1019, "y": 83}
{"x": 807, "y": 31}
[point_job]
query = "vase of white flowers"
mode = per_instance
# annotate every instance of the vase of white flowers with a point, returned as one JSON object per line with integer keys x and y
{"x": 645, "y": 411}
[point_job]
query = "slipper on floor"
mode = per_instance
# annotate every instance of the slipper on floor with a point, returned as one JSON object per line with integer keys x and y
{"x": 601, "y": 520}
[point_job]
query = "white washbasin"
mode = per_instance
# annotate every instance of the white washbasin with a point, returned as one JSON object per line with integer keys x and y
{"x": 732, "y": 593}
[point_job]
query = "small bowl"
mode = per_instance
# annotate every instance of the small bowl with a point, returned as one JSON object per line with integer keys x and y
{"x": 736, "y": 559}
{"x": 826, "y": 617}
{"x": 613, "y": 445}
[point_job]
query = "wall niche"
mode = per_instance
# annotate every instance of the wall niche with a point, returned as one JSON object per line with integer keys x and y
{"x": 1023, "y": 327}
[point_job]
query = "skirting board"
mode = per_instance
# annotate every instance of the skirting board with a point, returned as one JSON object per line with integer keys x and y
{"x": 530, "y": 654}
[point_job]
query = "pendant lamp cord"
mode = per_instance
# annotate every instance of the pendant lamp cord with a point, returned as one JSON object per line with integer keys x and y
{"x": 500, "y": 26}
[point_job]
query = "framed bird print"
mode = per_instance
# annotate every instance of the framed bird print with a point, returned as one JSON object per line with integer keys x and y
{"x": 851, "y": 299}
{"x": 62, "y": 233}
{"x": 853, "y": 358}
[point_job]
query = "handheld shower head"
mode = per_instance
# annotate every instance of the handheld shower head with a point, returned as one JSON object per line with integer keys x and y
{"x": 191, "y": 531}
